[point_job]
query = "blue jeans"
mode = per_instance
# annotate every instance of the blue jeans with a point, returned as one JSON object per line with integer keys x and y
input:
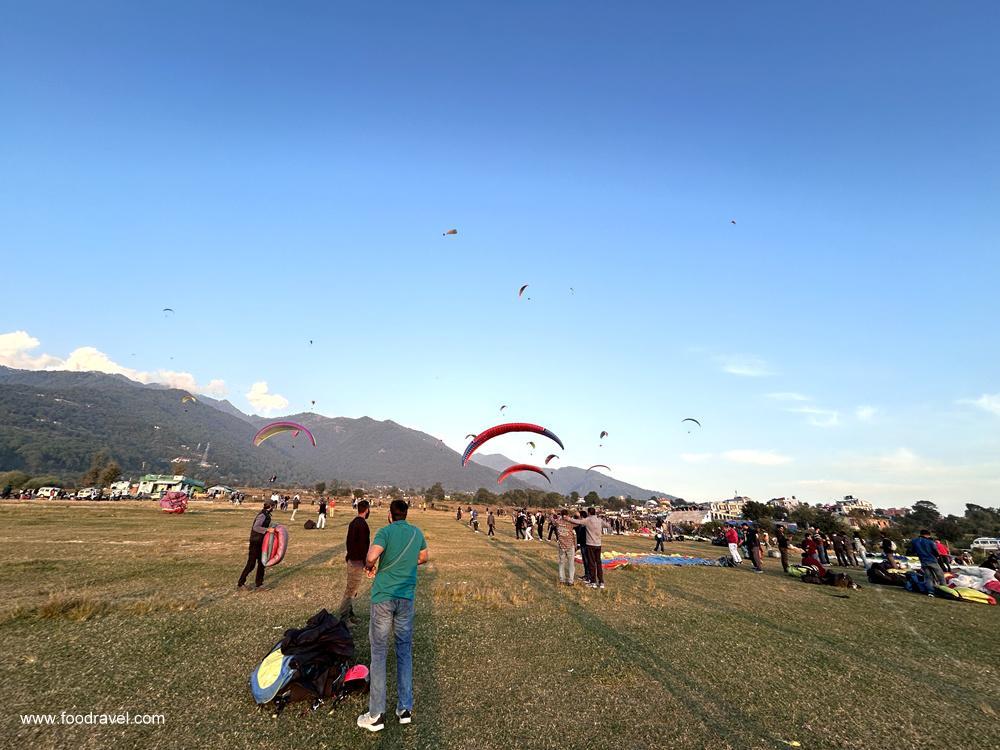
{"x": 395, "y": 615}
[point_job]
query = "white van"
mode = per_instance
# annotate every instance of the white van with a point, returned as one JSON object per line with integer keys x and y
{"x": 89, "y": 493}
{"x": 987, "y": 543}
{"x": 45, "y": 493}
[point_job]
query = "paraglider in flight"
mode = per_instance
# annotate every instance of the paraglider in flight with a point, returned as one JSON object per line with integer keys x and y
{"x": 310, "y": 342}
{"x": 690, "y": 419}
{"x": 732, "y": 221}
{"x": 604, "y": 434}
{"x": 470, "y": 436}
{"x": 521, "y": 467}
{"x": 168, "y": 311}
{"x": 503, "y": 429}
{"x": 532, "y": 444}
{"x": 502, "y": 408}
{"x": 188, "y": 397}
{"x": 549, "y": 458}
{"x": 521, "y": 290}
{"x": 450, "y": 231}
{"x": 599, "y": 466}
{"x": 275, "y": 428}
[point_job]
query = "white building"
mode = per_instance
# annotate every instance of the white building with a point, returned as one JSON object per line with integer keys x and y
{"x": 850, "y": 504}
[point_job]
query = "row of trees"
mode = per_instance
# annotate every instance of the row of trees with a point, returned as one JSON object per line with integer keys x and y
{"x": 957, "y": 530}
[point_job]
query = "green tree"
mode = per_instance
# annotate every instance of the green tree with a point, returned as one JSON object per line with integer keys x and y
{"x": 592, "y": 498}
{"x": 358, "y": 494}
{"x": 484, "y": 497}
{"x": 15, "y": 479}
{"x": 754, "y": 511}
{"x": 110, "y": 473}
{"x": 97, "y": 463}
{"x": 435, "y": 493}
{"x": 922, "y": 515}
{"x": 320, "y": 487}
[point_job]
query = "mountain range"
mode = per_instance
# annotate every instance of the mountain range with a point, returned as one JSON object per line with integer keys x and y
{"x": 52, "y": 422}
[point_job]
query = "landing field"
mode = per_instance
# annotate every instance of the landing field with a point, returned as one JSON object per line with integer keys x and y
{"x": 114, "y": 607}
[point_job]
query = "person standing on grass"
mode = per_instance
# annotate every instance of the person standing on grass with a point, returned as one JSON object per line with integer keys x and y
{"x": 860, "y": 551}
{"x": 527, "y": 527}
{"x": 944, "y": 555}
{"x": 397, "y": 550}
{"x": 595, "y": 527}
{"x": 733, "y": 542}
{"x": 295, "y": 506}
{"x": 358, "y": 538}
{"x": 924, "y": 548}
{"x": 321, "y": 516}
{"x": 753, "y": 547}
{"x": 540, "y": 523}
{"x": 659, "y": 539}
{"x": 566, "y": 543}
{"x": 261, "y": 522}
{"x": 518, "y": 526}
{"x": 553, "y": 527}
{"x": 782, "y": 542}
{"x": 491, "y": 523}
{"x": 581, "y": 543}
{"x": 838, "y": 549}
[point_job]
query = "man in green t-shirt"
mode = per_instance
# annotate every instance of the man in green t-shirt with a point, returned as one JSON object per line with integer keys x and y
{"x": 397, "y": 550}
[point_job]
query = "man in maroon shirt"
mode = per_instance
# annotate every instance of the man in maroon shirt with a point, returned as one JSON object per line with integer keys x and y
{"x": 358, "y": 539}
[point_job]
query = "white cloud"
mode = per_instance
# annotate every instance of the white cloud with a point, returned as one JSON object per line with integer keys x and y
{"x": 744, "y": 365}
{"x": 788, "y": 396}
{"x": 695, "y": 458}
{"x": 15, "y": 348}
{"x": 987, "y": 402}
{"x": 865, "y": 413}
{"x": 759, "y": 458}
{"x": 264, "y": 401}
{"x": 818, "y": 417}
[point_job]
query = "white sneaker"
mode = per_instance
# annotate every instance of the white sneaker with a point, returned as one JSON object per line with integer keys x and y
{"x": 404, "y": 716}
{"x": 601, "y": 586}
{"x": 371, "y": 723}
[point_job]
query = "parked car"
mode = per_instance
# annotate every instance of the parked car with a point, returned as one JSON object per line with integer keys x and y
{"x": 986, "y": 543}
{"x": 47, "y": 492}
{"x": 89, "y": 493}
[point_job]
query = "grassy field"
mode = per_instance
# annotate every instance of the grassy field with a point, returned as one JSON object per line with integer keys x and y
{"x": 108, "y": 607}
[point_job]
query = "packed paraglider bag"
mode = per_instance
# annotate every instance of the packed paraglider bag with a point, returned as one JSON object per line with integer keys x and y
{"x": 309, "y": 664}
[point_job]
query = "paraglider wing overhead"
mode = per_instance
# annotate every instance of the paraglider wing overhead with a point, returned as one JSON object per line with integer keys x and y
{"x": 269, "y": 431}
{"x": 599, "y": 466}
{"x": 549, "y": 458}
{"x": 504, "y": 429}
{"x": 691, "y": 419}
{"x": 522, "y": 467}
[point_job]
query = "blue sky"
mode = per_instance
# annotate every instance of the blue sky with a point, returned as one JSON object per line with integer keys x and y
{"x": 280, "y": 173}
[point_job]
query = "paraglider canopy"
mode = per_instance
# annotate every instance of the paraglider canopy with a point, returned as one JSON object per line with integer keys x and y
{"x": 187, "y": 398}
{"x": 599, "y": 466}
{"x": 174, "y": 502}
{"x": 521, "y": 467}
{"x": 604, "y": 434}
{"x": 549, "y": 458}
{"x": 521, "y": 290}
{"x": 450, "y": 231}
{"x": 503, "y": 429}
{"x": 269, "y": 431}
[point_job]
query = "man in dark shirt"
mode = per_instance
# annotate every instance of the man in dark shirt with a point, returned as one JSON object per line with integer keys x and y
{"x": 752, "y": 542}
{"x": 491, "y": 524}
{"x": 581, "y": 542}
{"x": 261, "y": 522}
{"x": 358, "y": 539}
{"x": 783, "y": 547}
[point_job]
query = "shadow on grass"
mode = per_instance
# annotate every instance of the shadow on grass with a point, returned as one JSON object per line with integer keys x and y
{"x": 710, "y": 708}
